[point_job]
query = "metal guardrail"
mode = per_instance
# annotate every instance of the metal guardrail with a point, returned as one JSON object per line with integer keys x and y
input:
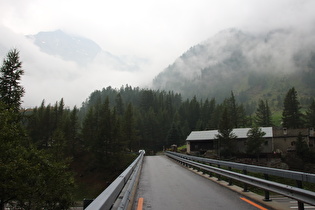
{"x": 300, "y": 176}
{"x": 296, "y": 193}
{"x": 109, "y": 196}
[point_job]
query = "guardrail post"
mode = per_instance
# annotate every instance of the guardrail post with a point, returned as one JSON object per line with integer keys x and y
{"x": 267, "y": 194}
{"x": 197, "y": 168}
{"x": 300, "y": 185}
{"x": 181, "y": 162}
{"x": 230, "y": 180}
{"x": 245, "y": 188}
{"x": 210, "y": 173}
{"x": 219, "y": 176}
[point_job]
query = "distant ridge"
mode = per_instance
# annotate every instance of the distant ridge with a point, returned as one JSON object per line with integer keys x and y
{"x": 68, "y": 47}
{"x": 82, "y": 51}
{"x": 254, "y": 67}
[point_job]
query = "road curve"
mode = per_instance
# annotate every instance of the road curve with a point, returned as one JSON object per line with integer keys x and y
{"x": 165, "y": 185}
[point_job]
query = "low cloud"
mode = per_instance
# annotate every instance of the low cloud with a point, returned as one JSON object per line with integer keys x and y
{"x": 157, "y": 32}
{"x": 52, "y": 78}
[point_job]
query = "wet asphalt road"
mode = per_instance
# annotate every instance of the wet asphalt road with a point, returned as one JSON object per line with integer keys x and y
{"x": 165, "y": 185}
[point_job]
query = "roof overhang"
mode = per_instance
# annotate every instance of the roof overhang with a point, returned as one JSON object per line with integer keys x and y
{"x": 209, "y": 135}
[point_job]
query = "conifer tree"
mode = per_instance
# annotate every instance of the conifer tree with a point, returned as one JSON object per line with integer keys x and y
{"x": 254, "y": 141}
{"x": 119, "y": 105}
{"x": 174, "y": 135}
{"x": 72, "y": 131}
{"x": 291, "y": 115}
{"x": 129, "y": 127}
{"x": 11, "y": 71}
{"x": 226, "y": 136}
{"x": 263, "y": 114}
{"x": 31, "y": 178}
{"x": 233, "y": 108}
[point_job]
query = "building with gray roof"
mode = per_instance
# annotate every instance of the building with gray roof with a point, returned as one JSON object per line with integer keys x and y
{"x": 279, "y": 140}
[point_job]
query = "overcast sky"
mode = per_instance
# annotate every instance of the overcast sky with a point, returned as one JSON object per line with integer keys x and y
{"x": 157, "y": 31}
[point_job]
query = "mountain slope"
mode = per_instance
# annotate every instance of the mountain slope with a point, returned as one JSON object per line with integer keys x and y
{"x": 252, "y": 66}
{"x": 81, "y": 50}
{"x": 73, "y": 48}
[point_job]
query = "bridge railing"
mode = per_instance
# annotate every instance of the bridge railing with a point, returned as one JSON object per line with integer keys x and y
{"x": 297, "y": 193}
{"x": 118, "y": 194}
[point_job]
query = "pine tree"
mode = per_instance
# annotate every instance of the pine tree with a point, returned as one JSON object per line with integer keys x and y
{"x": 11, "y": 71}
{"x": 233, "y": 108}
{"x": 174, "y": 135}
{"x": 194, "y": 113}
{"x": 236, "y": 112}
{"x": 291, "y": 115}
{"x": 32, "y": 178}
{"x": 104, "y": 134}
{"x": 254, "y": 141}
{"x": 119, "y": 105}
{"x": 72, "y": 132}
{"x": 129, "y": 127}
{"x": 226, "y": 136}
{"x": 263, "y": 114}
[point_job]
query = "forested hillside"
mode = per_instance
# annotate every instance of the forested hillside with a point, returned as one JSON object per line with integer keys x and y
{"x": 253, "y": 66}
{"x": 74, "y": 153}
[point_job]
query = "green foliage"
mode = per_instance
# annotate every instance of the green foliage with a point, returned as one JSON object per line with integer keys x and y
{"x": 129, "y": 130}
{"x": 96, "y": 132}
{"x": 30, "y": 178}
{"x": 226, "y": 137}
{"x": 236, "y": 112}
{"x": 291, "y": 115}
{"x": 254, "y": 141}
{"x": 11, "y": 71}
{"x": 263, "y": 114}
{"x": 174, "y": 135}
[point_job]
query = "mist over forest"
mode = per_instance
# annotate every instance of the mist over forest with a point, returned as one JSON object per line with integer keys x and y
{"x": 251, "y": 65}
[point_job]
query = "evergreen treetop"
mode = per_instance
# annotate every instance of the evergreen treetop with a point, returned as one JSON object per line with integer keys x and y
{"x": 291, "y": 115}
{"x": 11, "y": 71}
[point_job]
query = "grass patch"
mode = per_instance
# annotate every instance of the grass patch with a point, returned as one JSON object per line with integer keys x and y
{"x": 183, "y": 147}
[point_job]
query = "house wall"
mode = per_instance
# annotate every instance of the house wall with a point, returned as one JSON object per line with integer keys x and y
{"x": 188, "y": 147}
{"x": 267, "y": 146}
{"x": 201, "y": 145}
{"x": 284, "y": 139}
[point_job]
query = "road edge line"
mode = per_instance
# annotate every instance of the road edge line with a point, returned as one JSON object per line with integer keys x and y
{"x": 140, "y": 204}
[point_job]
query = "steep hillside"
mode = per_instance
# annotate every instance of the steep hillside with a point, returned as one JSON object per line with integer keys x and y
{"x": 252, "y": 66}
{"x": 82, "y": 51}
